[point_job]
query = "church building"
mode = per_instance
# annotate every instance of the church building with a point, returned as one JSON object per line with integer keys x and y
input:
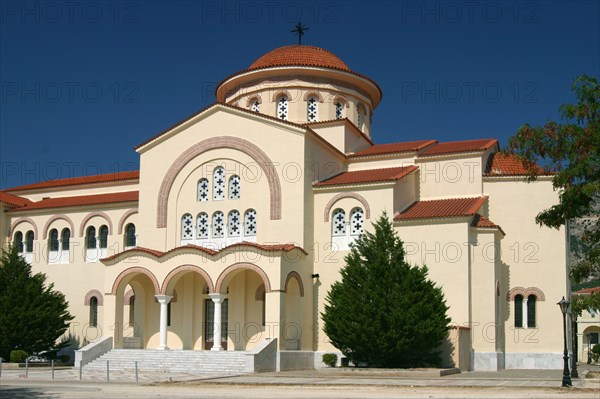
{"x": 240, "y": 216}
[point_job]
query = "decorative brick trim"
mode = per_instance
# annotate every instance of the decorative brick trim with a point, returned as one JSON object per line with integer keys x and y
{"x": 240, "y": 266}
{"x": 91, "y": 215}
{"x": 296, "y": 276}
{"x": 23, "y": 220}
{"x": 281, "y": 92}
{"x": 197, "y": 149}
{"x": 339, "y": 196}
{"x": 539, "y": 294}
{"x": 135, "y": 270}
{"x": 313, "y": 93}
{"x": 183, "y": 269}
{"x": 128, "y": 295}
{"x": 259, "y": 294}
{"x": 253, "y": 97}
{"x": 53, "y": 219}
{"x": 90, "y": 294}
{"x": 124, "y": 219}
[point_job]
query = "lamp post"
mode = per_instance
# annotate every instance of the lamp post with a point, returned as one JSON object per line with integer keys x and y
{"x": 589, "y": 347}
{"x": 566, "y": 380}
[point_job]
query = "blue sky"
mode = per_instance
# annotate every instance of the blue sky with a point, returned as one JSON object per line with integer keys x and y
{"x": 82, "y": 83}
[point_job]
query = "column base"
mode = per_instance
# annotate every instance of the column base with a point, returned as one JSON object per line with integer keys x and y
{"x": 162, "y": 348}
{"x": 216, "y": 349}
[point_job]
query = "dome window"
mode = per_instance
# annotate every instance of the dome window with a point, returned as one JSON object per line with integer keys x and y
{"x": 282, "y": 107}
{"x": 339, "y": 110}
{"x": 255, "y": 105}
{"x": 311, "y": 111}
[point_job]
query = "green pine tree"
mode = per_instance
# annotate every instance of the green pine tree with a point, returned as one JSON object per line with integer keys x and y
{"x": 32, "y": 315}
{"x": 385, "y": 312}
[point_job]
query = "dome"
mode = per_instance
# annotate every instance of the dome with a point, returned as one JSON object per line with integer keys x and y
{"x": 299, "y": 55}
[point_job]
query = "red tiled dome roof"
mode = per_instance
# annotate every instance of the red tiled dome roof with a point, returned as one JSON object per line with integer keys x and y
{"x": 299, "y": 55}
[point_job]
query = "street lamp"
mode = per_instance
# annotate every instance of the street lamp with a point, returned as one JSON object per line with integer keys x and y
{"x": 589, "y": 345}
{"x": 564, "y": 307}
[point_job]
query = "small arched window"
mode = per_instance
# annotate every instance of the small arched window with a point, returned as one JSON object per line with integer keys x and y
{"x": 519, "y": 311}
{"x": 29, "y": 241}
{"x": 202, "y": 225}
{"x": 103, "y": 236}
{"x": 203, "y": 189}
{"x": 66, "y": 239}
{"x": 219, "y": 183}
{"x": 255, "y": 105}
{"x": 90, "y": 237}
{"x": 93, "y": 311}
{"x": 531, "y": 300}
{"x": 250, "y": 222}
{"x": 356, "y": 221}
{"x": 18, "y": 241}
{"x": 132, "y": 309}
{"x": 218, "y": 225}
{"x": 53, "y": 240}
{"x": 339, "y": 110}
{"x": 311, "y": 109}
{"x": 233, "y": 224}
{"x": 187, "y": 227}
{"x": 130, "y": 238}
{"x": 338, "y": 223}
{"x": 282, "y": 107}
{"x": 234, "y": 187}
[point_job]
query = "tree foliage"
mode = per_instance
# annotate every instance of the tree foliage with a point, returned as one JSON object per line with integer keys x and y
{"x": 385, "y": 312}
{"x": 32, "y": 314}
{"x": 572, "y": 150}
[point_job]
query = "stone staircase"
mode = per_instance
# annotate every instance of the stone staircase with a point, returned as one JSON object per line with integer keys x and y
{"x": 187, "y": 361}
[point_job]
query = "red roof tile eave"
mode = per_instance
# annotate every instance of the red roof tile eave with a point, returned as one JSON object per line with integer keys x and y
{"x": 104, "y": 179}
{"x": 81, "y": 201}
{"x": 445, "y": 208}
{"x": 370, "y": 153}
{"x": 360, "y": 177}
{"x": 459, "y": 147}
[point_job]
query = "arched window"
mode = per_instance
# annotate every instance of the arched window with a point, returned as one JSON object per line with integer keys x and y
{"x": 234, "y": 187}
{"x": 130, "y": 238}
{"x": 66, "y": 239}
{"x": 360, "y": 110}
{"x": 18, "y": 241}
{"x": 187, "y": 227}
{"x": 202, "y": 225}
{"x": 103, "y": 236}
{"x": 255, "y": 105}
{"x": 282, "y": 107}
{"x": 339, "y": 110}
{"x": 93, "y": 311}
{"x": 233, "y": 224}
{"x": 219, "y": 183}
{"x": 218, "y": 225}
{"x": 53, "y": 240}
{"x": 250, "y": 222}
{"x": 29, "y": 241}
{"x": 311, "y": 109}
{"x": 203, "y": 189}
{"x": 90, "y": 237}
{"x": 338, "y": 223}
{"x": 132, "y": 309}
{"x": 519, "y": 311}
{"x": 531, "y": 300}
{"x": 356, "y": 221}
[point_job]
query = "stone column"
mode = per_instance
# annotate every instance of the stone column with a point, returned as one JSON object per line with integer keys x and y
{"x": 525, "y": 321}
{"x": 217, "y": 300}
{"x": 164, "y": 301}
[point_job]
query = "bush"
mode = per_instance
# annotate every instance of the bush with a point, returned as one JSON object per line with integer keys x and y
{"x": 596, "y": 352}
{"x": 330, "y": 359}
{"x": 18, "y": 356}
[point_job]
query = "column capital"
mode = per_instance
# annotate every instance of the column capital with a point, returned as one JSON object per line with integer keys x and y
{"x": 163, "y": 299}
{"x": 217, "y": 298}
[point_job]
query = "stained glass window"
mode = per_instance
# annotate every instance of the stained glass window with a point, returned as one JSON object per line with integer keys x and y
{"x": 66, "y": 239}
{"x": 53, "y": 240}
{"x": 339, "y": 222}
{"x": 90, "y": 241}
{"x": 219, "y": 183}
{"x": 255, "y": 105}
{"x": 356, "y": 221}
{"x": 250, "y": 222}
{"x": 282, "y": 107}
{"x": 339, "y": 110}
{"x": 29, "y": 241}
{"x": 218, "y": 225}
{"x": 233, "y": 224}
{"x": 103, "y": 236}
{"x": 234, "y": 187}
{"x": 203, "y": 190}
{"x": 130, "y": 238}
{"x": 311, "y": 112}
{"x": 202, "y": 225}
{"x": 187, "y": 227}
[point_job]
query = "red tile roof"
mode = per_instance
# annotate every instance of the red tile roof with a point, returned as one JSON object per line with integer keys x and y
{"x": 454, "y": 207}
{"x": 393, "y": 148}
{"x": 82, "y": 200}
{"x": 483, "y": 222}
{"x": 587, "y": 291}
{"x": 74, "y": 181}
{"x": 13, "y": 200}
{"x": 459, "y": 146}
{"x": 367, "y": 176}
{"x": 208, "y": 251}
{"x": 299, "y": 55}
{"x": 500, "y": 164}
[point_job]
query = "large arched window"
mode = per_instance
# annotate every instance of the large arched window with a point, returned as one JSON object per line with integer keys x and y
{"x": 18, "y": 241}
{"x": 250, "y": 222}
{"x": 90, "y": 237}
{"x": 356, "y": 221}
{"x": 233, "y": 224}
{"x": 29, "y": 241}
{"x": 218, "y": 225}
{"x": 234, "y": 187}
{"x": 53, "y": 240}
{"x": 66, "y": 239}
{"x": 202, "y": 225}
{"x": 103, "y": 236}
{"x": 93, "y": 311}
{"x": 338, "y": 223}
{"x": 519, "y": 311}
{"x": 311, "y": 109}
{"x": 187, "y": 227}
{"x": 203, "y": 189}
{"x": 531, "y": 300}
{"x": 219, "y": 183}
{"x": 130, "y": 237}
{"x": 282, "y": 107}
